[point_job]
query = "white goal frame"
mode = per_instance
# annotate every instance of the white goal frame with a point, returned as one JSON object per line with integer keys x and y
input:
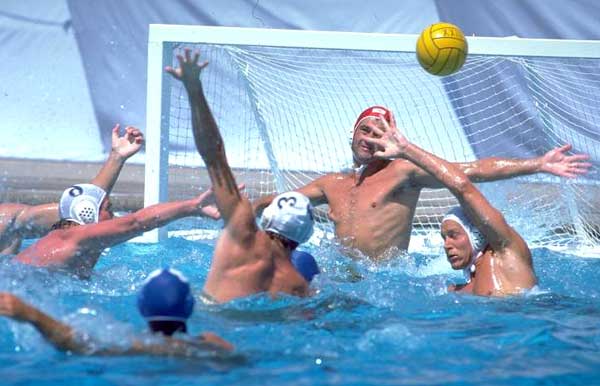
{"x": 162, "y": 38}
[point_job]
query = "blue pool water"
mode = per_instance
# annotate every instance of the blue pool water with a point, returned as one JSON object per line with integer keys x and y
{"x": 366, "y": 324}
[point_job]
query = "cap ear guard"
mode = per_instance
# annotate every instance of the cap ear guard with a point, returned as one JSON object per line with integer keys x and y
{"x": 85, "y": 212}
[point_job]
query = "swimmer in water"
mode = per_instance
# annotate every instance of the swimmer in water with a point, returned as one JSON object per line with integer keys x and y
{"x": 165, "y": 301}
{"x": 247, "y": 260}
{"x": 20, "y": 221}
{"x": 372, "y": 206}
{"x": 477, "y": 239}
{"x": 90, "y": 228}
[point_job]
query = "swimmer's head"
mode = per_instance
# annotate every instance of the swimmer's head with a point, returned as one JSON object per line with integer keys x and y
{"x": 289, "y": 216}
{"x": 166, "y": 301}
{"x": 305, "y": 264}
{"x": 81, "y": 204}
{"x": 463, "y": 242}
{"x": 363, "y": 152}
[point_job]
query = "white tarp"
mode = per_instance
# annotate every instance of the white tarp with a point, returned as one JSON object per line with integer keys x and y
{"x": 53, "y": 108}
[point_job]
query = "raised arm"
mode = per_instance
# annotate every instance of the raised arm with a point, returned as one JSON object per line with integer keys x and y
{"x": 485, "y": 217}
{"x": 111, "y": 232}
{"x": 206, "y": 134}
{"x": 123, "y": 147}
{"x": 555, "y": 162}
{"x": 59, "y": 334}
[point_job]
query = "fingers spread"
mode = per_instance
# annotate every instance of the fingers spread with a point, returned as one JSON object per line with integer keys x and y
{"x": 577, "y": 157}
{"x": 565, "y": 148}
{"x": 392, "y": 119}
{"x": 378, "y": 132}
{"x": 375, "y": 141}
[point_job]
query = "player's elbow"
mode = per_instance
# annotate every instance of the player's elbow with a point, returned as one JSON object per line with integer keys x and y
{"x": 462, "y": 185}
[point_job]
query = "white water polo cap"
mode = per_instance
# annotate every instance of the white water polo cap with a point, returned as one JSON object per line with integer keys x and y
{"x": 81, "y": 203}
{"x": 476, "y": 238}
{"x": 289, "y": 215}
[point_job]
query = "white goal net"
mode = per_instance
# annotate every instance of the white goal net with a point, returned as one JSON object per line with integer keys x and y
{"x": 285, "y": 102}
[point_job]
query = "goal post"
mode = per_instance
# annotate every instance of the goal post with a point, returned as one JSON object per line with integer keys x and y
{"x": 285, "y": 101}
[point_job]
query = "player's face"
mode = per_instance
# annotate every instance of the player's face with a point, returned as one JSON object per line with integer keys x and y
{"x": 363, "y": 152}
{"x": 105, "y": 210}
{"x": 456, "y": 245}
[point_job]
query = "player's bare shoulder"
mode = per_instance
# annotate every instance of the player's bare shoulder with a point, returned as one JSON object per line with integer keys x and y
{"x": 404, "y": 171}
{"x": 335, "y": 178}
{"x": 242, "y": 224}
{"x": 9, "y": 212}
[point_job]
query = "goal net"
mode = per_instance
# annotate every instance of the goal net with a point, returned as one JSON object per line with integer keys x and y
{"x": 285, "y": 102}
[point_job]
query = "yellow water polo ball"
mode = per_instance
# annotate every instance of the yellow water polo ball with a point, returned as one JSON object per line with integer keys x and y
{"x": 442, "y": 49}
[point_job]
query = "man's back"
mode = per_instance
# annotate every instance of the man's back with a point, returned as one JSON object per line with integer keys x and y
{"x": 61, "y": 249}
{"x": 18, "y": 221}
{"x": 245, "y": 262}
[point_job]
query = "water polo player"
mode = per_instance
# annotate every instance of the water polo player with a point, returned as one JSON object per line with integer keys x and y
{"x": 493, "y": 255}
{"x": 246, "y": 260}
{"x": 373, "y": 205}
{"x": 165, "y": 301}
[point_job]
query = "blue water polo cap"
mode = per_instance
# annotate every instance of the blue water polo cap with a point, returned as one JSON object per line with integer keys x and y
{"x": 166, "y": 296}
{"x": 305, "y": 264}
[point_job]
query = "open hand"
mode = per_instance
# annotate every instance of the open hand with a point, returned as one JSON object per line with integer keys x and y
{"x": 557, "y": 162}
{"x": 388, "y": 140}
{"x": 128, "y": 144}
{"x": 207, "y": 203}
{"x": 189, "y": 70}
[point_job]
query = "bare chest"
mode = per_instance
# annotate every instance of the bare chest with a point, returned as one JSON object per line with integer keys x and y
{"x": 373, "y": 196}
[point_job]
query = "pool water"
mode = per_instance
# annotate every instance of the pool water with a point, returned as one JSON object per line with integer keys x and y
{"x": 366, "y": 324}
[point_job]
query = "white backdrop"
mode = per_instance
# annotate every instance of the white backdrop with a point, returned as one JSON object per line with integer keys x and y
{"x": 72, "y": 68}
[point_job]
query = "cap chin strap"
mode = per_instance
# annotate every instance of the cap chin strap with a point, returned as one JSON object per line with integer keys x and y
{"x": 469, "y": 272}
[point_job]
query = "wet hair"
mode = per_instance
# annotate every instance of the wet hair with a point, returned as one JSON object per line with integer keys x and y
{"x": 287, "y": 243}
{"x": 167, "y": 327}
{"x": 64, "y": 224}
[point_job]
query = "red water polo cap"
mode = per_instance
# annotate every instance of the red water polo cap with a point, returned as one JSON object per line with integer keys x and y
{"x": 374, "y": 111}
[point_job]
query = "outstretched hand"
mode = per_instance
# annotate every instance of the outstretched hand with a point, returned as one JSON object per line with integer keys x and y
{"x": 11, "y": 306}
{"x": 387, "y": 139}
{"x": 128, "y": 144}
{"x": 189, "y": 69}
{"x": 557, "y": 162}
{"x": 207, "y": 204}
